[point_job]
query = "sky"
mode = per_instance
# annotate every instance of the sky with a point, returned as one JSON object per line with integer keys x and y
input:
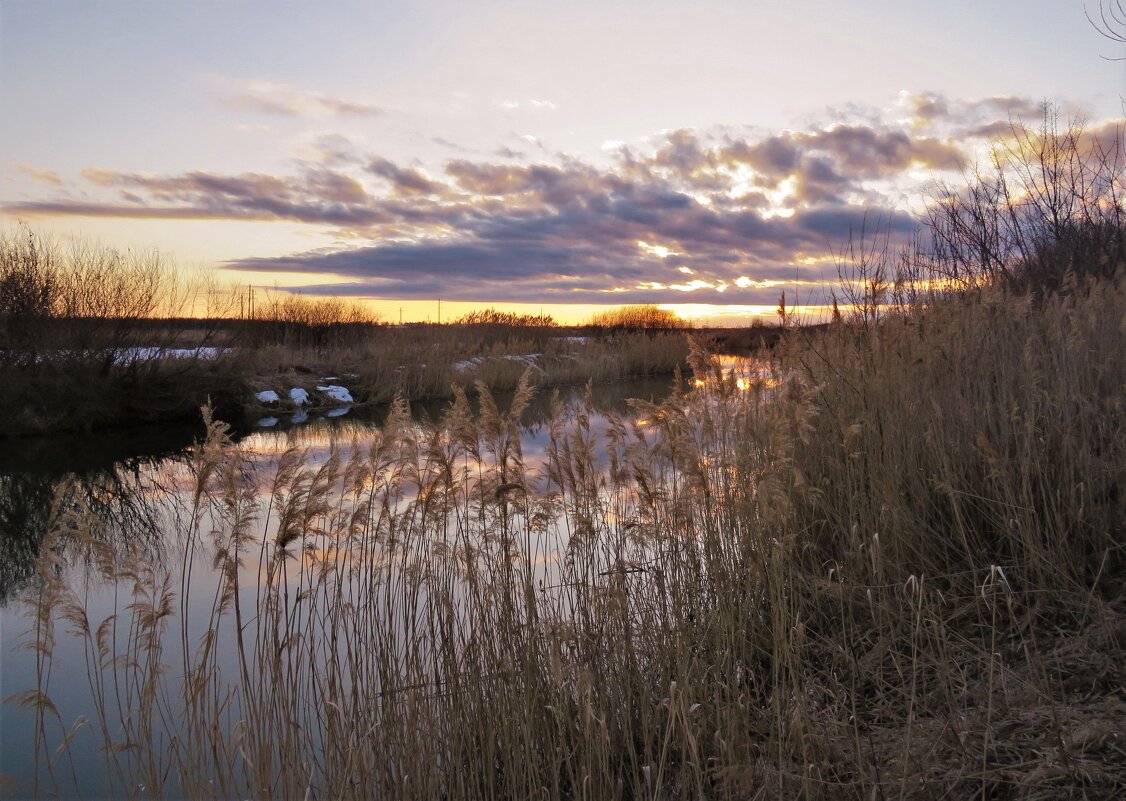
{"x": 555, "y": 156}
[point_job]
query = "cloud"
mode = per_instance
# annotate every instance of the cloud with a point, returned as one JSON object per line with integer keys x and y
{"x": 126, "y": 211}
{"x": 446, "y": 143}
{"x": 333, "y": 150}
{"x": 43, "y": 176}
{"x": 981, "y": 118}
{"x": 689, "y": 216}
{"x": 403, "y": 180}
{"x": 533, "y": 105}
{"x": 317, "y": 195}
{"x": 267, "y": 97}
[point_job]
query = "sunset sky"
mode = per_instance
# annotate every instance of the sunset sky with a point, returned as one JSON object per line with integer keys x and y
{"x": 554, "y": 155}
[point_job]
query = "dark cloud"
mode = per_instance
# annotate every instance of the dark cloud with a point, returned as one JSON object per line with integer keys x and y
{"x": 997, "y": 129}
{"x": 837, "y": 224}
{"x": 683, "y": 220}
{"x": 317, "y": 195}
{"x": 501, "y": 180}
{"x": 404, "y": 180}
{"x": 813, "y": 291}
{"x": 866, "y": 152}
{"x": 774, "y": 156}
{"x": 577, "y": 257}
{"x": 983, "y": 118}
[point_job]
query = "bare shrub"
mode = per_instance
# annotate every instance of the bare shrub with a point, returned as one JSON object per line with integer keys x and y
{"x": 82, "y": 300}
{"x": 496, "y": 317}
{"x": 296, "y": 321}
{"x": 638, "y": 318}
{"x": 1050, "y": 203}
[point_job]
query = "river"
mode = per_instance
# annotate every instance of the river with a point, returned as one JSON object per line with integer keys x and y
{"x": 137, "y": 486}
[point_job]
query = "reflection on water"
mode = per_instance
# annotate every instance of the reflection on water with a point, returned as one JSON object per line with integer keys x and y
{"x": 117, "y": 476}
{"x": 744, "y": 373}
{"x": 131, "y": 493}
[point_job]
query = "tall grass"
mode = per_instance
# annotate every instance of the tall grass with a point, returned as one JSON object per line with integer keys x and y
{"x": 889, "y": 568}
{"x": 887, "y": 565}
{"x": 427, "y": 363}
{"x": 85, "y": 329}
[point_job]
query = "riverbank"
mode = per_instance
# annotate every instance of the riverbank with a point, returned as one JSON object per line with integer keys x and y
{"x": 72, "y": 393}
{"x": 889, "y": 565}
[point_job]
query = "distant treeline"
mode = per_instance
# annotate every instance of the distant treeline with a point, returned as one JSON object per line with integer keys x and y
{"x": 87, "y": 301}
{"x": 496, "y": 317}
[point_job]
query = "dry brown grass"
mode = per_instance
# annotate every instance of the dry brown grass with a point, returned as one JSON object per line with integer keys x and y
{"x": 427, "y": 363}
{"x": 891, "y": 568}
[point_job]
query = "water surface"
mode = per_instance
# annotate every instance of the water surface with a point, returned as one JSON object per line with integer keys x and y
{"x": 135, "y": 484}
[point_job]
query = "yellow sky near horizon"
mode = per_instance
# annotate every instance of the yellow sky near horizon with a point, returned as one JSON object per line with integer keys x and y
{"x": 567, "y": 157}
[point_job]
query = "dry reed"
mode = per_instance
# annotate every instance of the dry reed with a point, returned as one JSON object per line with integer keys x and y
{"x": 890, "y": 566}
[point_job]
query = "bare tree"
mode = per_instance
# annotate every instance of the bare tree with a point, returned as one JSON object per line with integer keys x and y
{"x": 1110, "y": 21}
{"x": 1050, "y": 202}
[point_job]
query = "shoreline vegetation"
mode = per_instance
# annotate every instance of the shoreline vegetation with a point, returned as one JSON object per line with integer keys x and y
{"x": 89, "y": 340}
{"x": 890, "y": 566}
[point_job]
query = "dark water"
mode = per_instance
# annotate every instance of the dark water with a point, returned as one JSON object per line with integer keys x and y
{"x": 132, "y": 482}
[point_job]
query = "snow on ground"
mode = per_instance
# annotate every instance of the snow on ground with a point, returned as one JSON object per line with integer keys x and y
{"x": 528, "y": 358}
{"x": 299, "y": 396}
{"x": 338, "y": 412}
{"x": 267, "y": 422}
{"x": 336, "y": 392}
{"x": 148, "y": 353}
{"x": 299, "y": 417}
{"x": 267, "y": 396}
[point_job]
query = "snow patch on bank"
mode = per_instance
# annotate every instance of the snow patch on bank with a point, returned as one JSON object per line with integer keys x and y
{"x": 146, "y": 354}
{"x": 528, "y": 359}
{"x": 336, "y": 392}
{"x": 299, "y": 396}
